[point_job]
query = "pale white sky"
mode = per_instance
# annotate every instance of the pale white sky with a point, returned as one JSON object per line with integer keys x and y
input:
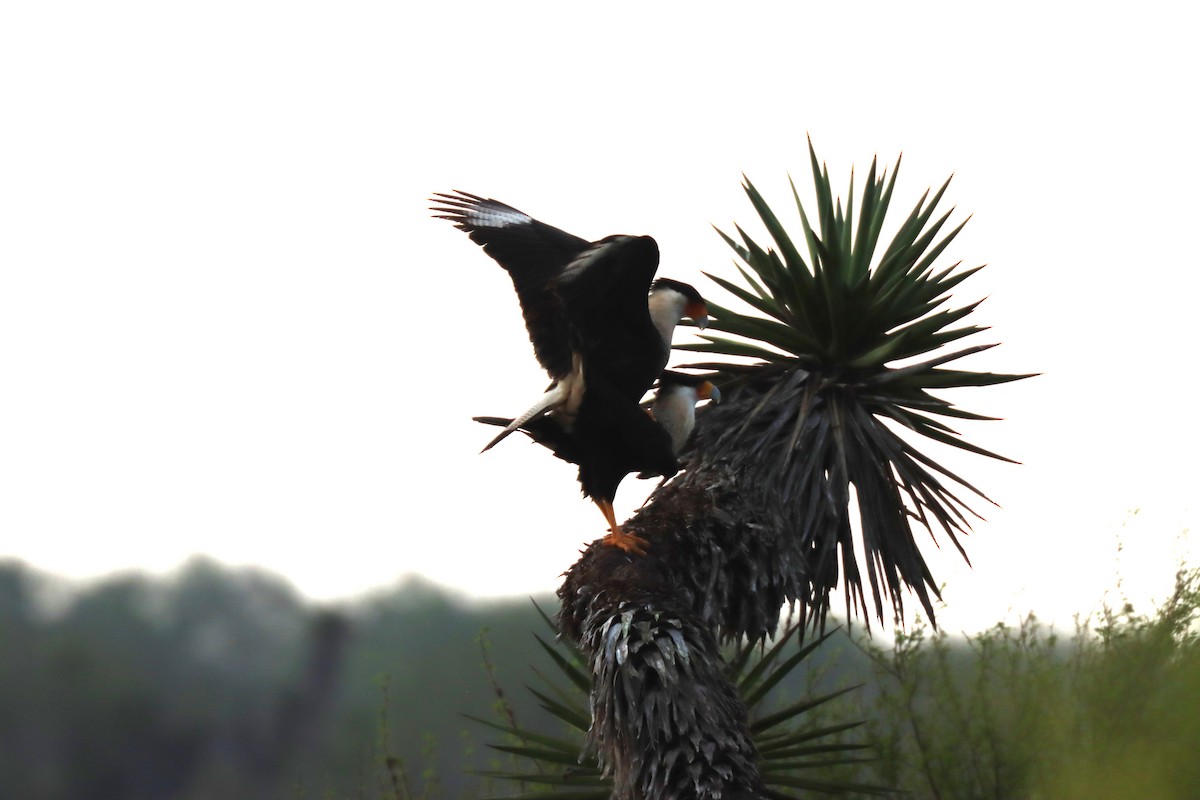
{"x": 228, "y": 324}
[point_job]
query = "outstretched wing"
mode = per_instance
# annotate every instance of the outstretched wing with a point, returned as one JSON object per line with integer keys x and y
{"x": 604, "y": 291}
{"x": 534, "y": 254}
{"x": 614, "y": 273}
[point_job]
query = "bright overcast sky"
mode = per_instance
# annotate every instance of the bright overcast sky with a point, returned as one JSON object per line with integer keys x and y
{"x": 228, "y": 324}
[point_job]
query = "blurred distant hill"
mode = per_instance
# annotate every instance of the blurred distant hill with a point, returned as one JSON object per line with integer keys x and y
{"x": 220, "y": 682}
{"x": 217, "y": 682}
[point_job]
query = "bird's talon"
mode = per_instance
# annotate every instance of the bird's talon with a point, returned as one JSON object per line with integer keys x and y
{"x": 629, "y": 542}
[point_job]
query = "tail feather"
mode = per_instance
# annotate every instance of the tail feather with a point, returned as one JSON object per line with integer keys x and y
{"x": 553, "y": 398}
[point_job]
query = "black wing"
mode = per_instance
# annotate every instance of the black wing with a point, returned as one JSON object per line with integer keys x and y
{"x": 604, "y": 293}
{"x": 614, "y": 273}
{"x": 534, "y": 254}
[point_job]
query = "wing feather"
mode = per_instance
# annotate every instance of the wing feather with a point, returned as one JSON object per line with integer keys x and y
{"x": 534, "y": 255}
{"x": 604, "y": 293}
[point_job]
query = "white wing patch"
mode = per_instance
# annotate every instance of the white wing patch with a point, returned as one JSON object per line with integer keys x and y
{"x": 489, "y": 216}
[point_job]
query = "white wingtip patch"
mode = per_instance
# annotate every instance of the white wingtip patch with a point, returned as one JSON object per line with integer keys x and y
{"x": 493, "y": 217}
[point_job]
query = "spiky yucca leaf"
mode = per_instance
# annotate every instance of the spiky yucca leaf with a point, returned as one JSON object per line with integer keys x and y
{"x": 817, "y": 411}
{"x": 792, "y": 749}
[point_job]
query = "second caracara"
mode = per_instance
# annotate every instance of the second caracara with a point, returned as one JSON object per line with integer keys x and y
{"x": 593, "y": 310}
{"x": 613, "y": 437}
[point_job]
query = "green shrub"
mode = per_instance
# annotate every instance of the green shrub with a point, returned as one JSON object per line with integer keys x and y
{"x": 1016, "y": 713}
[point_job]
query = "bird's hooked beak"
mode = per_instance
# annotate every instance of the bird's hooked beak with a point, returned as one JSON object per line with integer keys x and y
{"x": 709, "y": 391}
{"x": 698, "y": 312}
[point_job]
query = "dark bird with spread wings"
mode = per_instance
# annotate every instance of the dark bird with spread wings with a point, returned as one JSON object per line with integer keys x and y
{"x": 600, "y": 325}
{"x": 588, "y": 306}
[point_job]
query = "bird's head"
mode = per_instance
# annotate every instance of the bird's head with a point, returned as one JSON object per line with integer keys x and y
{"x": 688, "y": 300}
{"x": 693, "y": 387}
{"x": 708, "y": 390}
{"x": 675, "y": 403}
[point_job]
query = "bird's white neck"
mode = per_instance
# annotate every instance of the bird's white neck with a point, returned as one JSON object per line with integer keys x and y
{"x": 666, "y": 308}
{"x": 675, "y": 411}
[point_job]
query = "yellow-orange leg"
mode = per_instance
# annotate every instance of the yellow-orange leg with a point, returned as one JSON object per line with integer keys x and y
{"x": 629, "y": 542}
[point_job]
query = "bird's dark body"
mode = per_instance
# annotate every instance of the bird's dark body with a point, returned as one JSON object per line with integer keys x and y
{"x": 591, "y": 310}
{"x": 609, "y": 440}
{"x": 617, "y": 336}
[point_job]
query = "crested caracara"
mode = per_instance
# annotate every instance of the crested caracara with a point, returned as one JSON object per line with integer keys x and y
{"x": 592, "y": 309}
{"x": 612, "y": 437}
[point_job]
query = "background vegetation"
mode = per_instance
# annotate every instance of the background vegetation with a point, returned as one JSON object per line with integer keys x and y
{"x": 224, "y": 683}
{"x": 1110, "y": 711}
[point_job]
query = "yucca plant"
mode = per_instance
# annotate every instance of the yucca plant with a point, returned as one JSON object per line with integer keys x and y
{"x": 842, "y": 365}
{"x": 549, "y": 766}
{"x": 827, "y": 383}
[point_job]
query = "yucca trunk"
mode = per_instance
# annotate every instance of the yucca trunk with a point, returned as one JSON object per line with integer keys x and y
{"x": 721, "y": 565}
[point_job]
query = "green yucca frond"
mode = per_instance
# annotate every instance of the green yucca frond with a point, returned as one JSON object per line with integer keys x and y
{"x": 846, "y": 347}
{"x": 796, "y": 754}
